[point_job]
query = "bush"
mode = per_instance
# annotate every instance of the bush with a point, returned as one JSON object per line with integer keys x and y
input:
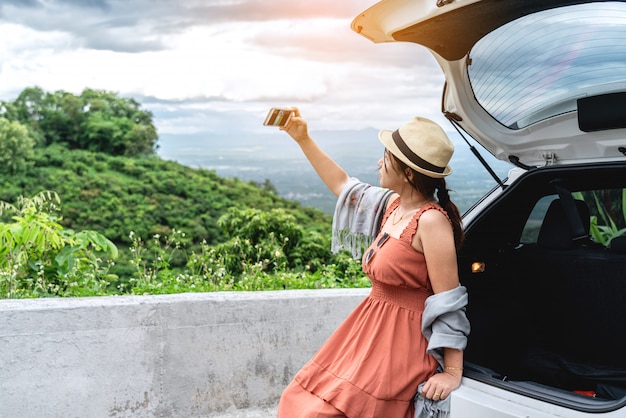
{"x": 40, "y": 258}
{"x": 266, "y": 250}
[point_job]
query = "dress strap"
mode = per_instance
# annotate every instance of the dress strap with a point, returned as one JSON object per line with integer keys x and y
{"x": 389, "y": 210}
{"x": 411, "y": 228}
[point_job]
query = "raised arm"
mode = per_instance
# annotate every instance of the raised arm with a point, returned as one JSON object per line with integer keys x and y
{"x": 329, "y": 171}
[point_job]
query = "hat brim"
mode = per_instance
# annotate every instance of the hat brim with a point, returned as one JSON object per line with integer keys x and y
{"x": 385, "y": 137}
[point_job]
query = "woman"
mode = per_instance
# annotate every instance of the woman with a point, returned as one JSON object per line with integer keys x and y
{"x": 374, "y": 362}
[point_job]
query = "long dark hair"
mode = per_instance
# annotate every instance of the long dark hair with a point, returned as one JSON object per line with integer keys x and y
{"x": 427, "y": 186}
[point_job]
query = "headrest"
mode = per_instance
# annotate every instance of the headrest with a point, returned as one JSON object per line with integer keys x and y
{"x": 556, "y": 231}
{"x": 618, "y": 244}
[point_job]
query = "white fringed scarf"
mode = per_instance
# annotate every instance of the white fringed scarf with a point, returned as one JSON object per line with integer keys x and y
{"x": 358, "y": 214}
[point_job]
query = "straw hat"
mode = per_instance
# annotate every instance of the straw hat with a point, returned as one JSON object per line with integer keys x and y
{"x": 422, "y": 145}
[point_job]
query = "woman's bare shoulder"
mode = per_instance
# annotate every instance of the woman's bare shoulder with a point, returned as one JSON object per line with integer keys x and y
{"x": 392, "y": 198}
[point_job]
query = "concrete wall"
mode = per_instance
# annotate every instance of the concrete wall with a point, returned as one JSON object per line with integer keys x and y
{"x": 189, "y": 355}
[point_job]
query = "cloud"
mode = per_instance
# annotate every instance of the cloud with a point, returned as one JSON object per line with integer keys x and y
{"x": 100, "y": 25}
{"x": 141, "y": 25}
{"x": 21, "y": 3}
{"x": 236, "y": 58}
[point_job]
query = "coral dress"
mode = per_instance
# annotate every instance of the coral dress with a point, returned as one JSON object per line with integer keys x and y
{"x": 373, "y": 363}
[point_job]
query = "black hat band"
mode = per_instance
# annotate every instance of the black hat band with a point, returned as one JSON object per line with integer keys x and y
{"x": 413, "y": 157}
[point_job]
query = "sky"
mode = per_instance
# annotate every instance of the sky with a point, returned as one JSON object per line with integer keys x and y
{"x": 216, "y": 66}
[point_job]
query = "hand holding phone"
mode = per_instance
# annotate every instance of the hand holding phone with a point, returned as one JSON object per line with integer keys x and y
{"x": 278, "y": 117}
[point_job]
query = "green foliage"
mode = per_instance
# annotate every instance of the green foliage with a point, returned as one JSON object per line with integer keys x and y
{"x": 152, "y": 262}
{"x": 609, "y": 220}
{"x": 213, "y": 269}
{"x": 277, "y": 246}
{"x": 258, "y": 237}
{"x": 38, "y": 257}
{"x": 96, "y": 120}
{"x": 115, "y": 195}
{"x": 268, "y": 249}
{"x": 96, "y": 151}
{"x": 313, "y": 252}
{"x": 16, "y": 147}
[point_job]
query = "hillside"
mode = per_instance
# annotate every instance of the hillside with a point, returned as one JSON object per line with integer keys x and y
{"x": 89, "y": 208}
{"x": 115, "y": 195}
{"x": 147, "y": 195}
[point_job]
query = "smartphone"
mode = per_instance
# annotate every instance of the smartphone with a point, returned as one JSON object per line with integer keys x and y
{"x": 278, "y": 117}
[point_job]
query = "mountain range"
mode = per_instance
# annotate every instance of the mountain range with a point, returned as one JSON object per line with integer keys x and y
{"x": 274, "y": 157}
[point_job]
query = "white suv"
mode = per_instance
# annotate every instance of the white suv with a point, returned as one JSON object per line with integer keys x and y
{"x": 542, "y": 85}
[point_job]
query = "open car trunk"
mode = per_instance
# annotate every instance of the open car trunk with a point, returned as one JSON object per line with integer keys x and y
{"x": 542, "y": 85}
{"x": 548, "y": 310}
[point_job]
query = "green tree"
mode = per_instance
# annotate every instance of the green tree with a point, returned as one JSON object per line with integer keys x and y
{"x": 62, "y": 118}
{"x": 117, "y": 126}
{"x": 16, "y": 147}
{"x": 97, "y": 120}
{"x": 29, "y": 104}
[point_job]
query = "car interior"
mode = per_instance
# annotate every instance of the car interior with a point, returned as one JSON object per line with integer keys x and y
{"x": 547, "y": 300}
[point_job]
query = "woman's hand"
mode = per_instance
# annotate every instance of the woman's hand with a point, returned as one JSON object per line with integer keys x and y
{"x": 297, "y": 127}
{"x": 440, "y": 385}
